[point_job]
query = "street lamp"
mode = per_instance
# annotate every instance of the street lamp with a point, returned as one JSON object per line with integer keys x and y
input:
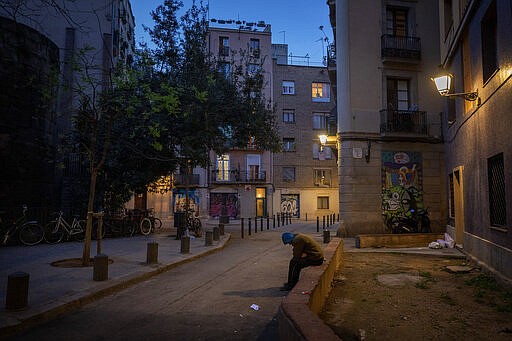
{"x": 444, "y": 85}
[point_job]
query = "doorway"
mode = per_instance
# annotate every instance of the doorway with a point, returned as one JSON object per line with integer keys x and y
{"x": 458, "y": 192}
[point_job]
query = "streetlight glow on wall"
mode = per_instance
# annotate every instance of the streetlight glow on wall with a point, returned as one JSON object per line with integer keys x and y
{"x": 444, "y": 84}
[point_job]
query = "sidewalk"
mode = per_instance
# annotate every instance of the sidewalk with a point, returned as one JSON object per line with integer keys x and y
{"x": 54, "y": 290}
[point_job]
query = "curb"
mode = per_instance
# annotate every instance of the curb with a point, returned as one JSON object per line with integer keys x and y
{"x": 298, "y": 313}
{"x": 116, "y": 286}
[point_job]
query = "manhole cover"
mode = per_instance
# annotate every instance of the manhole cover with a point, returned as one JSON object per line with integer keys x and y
{"x": 74, "y": 263}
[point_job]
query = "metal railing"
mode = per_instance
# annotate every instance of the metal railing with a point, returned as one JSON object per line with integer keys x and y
{"x": 231, "y": 176}
{"x": 400, "y": 47}
{"x": 403, "y": 121}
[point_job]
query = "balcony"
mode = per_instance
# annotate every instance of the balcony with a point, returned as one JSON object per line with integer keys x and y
{"x": 403, "y": 122}
{"x": 399, "y": 48}
{"x": 236, "y": 176}
{"x": 181, "y": 179}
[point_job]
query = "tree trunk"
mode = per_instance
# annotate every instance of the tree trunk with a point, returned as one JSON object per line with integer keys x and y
{"x": 90, "y": 209}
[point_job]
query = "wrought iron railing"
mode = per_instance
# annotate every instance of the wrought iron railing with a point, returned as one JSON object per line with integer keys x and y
{"x": 181, "y": 179}
{"x": 400, "y": 47}
{"x": 403, "y": 121}
{"x": 234, "y": 176}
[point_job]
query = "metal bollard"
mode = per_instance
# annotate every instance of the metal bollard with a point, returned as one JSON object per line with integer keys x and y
{"x": 278, "y": 220}
{"x": 221, "y": 229}
{"x": 273, "y": 221}
{"x": 216, "y": 233}
{"x": 255, "y": 224}
{"x": 185, "y": 244}
{"x": 242, "y": 228}
{"x": 261, "y": 224}
{"x": 208, "y": 238}
{"x": 249, "y": 226}
{"x": 100, "y": 268}
{"x": 323, "y": 222}
{"x": 267, "y": 223}
{"x": 317, "y": 224}
{"x": 17, "y": 291}
{"x": 152, "y": 253}
{"x": 327, "y": 236}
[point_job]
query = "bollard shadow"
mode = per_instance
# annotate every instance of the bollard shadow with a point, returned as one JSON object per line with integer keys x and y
{"x": 264, "y": 292}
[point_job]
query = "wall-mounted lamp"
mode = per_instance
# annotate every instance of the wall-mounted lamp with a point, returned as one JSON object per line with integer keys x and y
{"x": 323, "y": 139}
{"x": 444, "y": 84}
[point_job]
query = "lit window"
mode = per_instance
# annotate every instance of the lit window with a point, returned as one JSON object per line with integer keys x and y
{"x": 288, "y": 87}
{"x": 322, "y": 177}
{"x": 222, "y": 168}
{"x": 320, "y": 92}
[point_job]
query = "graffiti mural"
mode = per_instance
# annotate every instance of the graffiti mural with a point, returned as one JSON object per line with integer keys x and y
{"x": 290, "y": 203}
{"x": 179, "y": 201}
{"x": 218, "y": 200}
{"x": 402, "y": 192}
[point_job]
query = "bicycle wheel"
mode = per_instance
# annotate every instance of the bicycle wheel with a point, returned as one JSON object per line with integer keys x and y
{"x": 145, "y": 226}
{"x": 31, "y": 234}
{"x": 158, "y": 223}
{"x": 53, "y": 234}
{"x": 78, "y": 233}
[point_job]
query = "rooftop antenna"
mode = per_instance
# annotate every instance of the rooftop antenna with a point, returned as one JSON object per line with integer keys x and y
{"x": 284, "y": 36}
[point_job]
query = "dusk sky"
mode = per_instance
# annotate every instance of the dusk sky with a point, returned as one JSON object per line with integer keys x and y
{"x": 295, "y": 23}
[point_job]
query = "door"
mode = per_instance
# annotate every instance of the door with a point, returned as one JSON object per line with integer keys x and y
{"x": 261, "y": 202}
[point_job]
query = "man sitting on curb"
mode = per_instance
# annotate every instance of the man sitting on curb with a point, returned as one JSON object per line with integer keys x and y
{"x": 306, "y": 252}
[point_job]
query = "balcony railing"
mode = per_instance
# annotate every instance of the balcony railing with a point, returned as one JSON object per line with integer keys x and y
{"x": 403, "y": 121}
{"x": 400, "y": 47}
{"x": 236, "y": 176}
{"x": 331, "y": 55}
{"x": 181, "y": 179}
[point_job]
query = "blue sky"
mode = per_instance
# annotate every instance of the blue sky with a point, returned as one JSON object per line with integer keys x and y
{"x": 294, "y": 22}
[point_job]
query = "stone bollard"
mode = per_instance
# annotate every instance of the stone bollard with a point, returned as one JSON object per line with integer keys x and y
{"x": 327, "y": 236}
{"x": 17, "y": 291}
{"x": 100, "y": 268}
{"x": 152, "y": 253}
{"x": 221, "y": 229}
{"x": 208, "y": 238}
{"x": 185, "y": 244}
{"x": 216, "y": 233}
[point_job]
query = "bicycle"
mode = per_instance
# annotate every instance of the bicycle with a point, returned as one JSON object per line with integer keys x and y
{"x": 28, "y": 232}
{"x": 56, "y": 229}
{"x": 156, "y": 222}
{"x": 194, "y": 224}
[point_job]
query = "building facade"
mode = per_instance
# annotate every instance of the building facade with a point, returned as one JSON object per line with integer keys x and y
{"x": 477, "y": 51}
{"x": 305, "y": 173}
{"x": 391, "y": 156}
{"x": 102, "y": 32}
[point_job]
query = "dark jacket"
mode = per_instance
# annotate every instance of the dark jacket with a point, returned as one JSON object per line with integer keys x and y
{"x": 305, "y": 244}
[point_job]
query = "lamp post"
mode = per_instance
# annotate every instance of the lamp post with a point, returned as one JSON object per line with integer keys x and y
{"x": 444, "y": 85}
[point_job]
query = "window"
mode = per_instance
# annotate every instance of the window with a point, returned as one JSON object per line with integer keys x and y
{"x": 397, "y": 94}
{"x": 320, "y": 92}
{"x": 253, "y": 69}
{"x": 448, "y": 17}
{"x": 224, "y": 46}
{"x": 222, "y": 167}
{"x": 253, "y": 165}
{"x": 321, "y": 152}
{"x": 288, "y": 88}
{"x": 254, "y": 47}
{"x": 396, "y": 21}
{"x": 289, "y": 174}
{"x": 322, "y": 177}
{"x": 224, "y": 69}
{"x": 320, "y": 120}
{"x": 497, "y": 202}
{"x": 288, "y": 144}
{"x": 322, "y": 203}
{"x": 489, "y": 43}
{"x": 289, "y": 116}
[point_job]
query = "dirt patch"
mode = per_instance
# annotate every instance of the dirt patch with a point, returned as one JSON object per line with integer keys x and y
{"x": 74, "y": 263}
{"x": 384, "y": 296}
